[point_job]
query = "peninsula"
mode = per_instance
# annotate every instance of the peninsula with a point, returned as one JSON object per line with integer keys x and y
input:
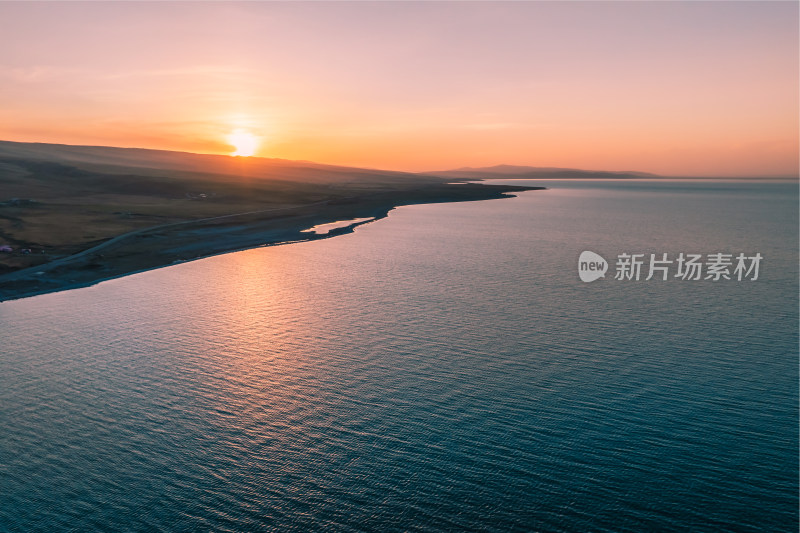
{"x": 71, "y": 216}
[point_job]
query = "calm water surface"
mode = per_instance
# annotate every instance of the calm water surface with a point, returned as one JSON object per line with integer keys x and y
{"x": 443, "y": 369}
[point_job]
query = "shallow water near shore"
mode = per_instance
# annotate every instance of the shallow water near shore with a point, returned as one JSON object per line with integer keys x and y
{"x": 323, "y": 229}
{"x": 441, "y": 369}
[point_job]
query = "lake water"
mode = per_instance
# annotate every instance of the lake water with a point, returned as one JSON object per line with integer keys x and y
{"x": 443, "y": 369}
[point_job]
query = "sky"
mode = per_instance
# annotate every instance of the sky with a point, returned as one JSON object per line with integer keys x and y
{"x": 674, "y": 88}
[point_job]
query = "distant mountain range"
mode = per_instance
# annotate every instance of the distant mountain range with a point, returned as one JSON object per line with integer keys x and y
{"x": 511, "y": 171}
{"x": 113, "y": 160}
{"x": 140, "y": 161}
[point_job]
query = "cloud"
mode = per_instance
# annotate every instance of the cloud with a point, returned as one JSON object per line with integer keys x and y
{"x": 35, "y": 73}
{"x": 504, "y": 126}
{"x": 224, "y": 71}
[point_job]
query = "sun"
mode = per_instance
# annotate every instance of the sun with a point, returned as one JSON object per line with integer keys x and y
{"x": 245, "y": 142}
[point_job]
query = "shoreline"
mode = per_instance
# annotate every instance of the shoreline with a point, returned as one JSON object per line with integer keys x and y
{"x": 69, "y": 287}
{"x": 165, "y": 245}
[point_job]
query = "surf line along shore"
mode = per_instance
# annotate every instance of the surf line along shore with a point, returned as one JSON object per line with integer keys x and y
{"x": 167, "y": 244}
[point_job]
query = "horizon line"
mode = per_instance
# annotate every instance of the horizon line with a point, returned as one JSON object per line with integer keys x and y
{"x": 427, "y": 172}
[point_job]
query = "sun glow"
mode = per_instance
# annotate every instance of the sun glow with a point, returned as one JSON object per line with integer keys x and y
{"x": 245, "y": 142}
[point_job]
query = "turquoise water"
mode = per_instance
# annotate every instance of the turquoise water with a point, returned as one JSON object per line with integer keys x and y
{"x": 442, "y": 369}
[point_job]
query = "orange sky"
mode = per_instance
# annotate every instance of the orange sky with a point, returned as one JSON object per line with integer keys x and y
{"x": 677, "y": 88}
